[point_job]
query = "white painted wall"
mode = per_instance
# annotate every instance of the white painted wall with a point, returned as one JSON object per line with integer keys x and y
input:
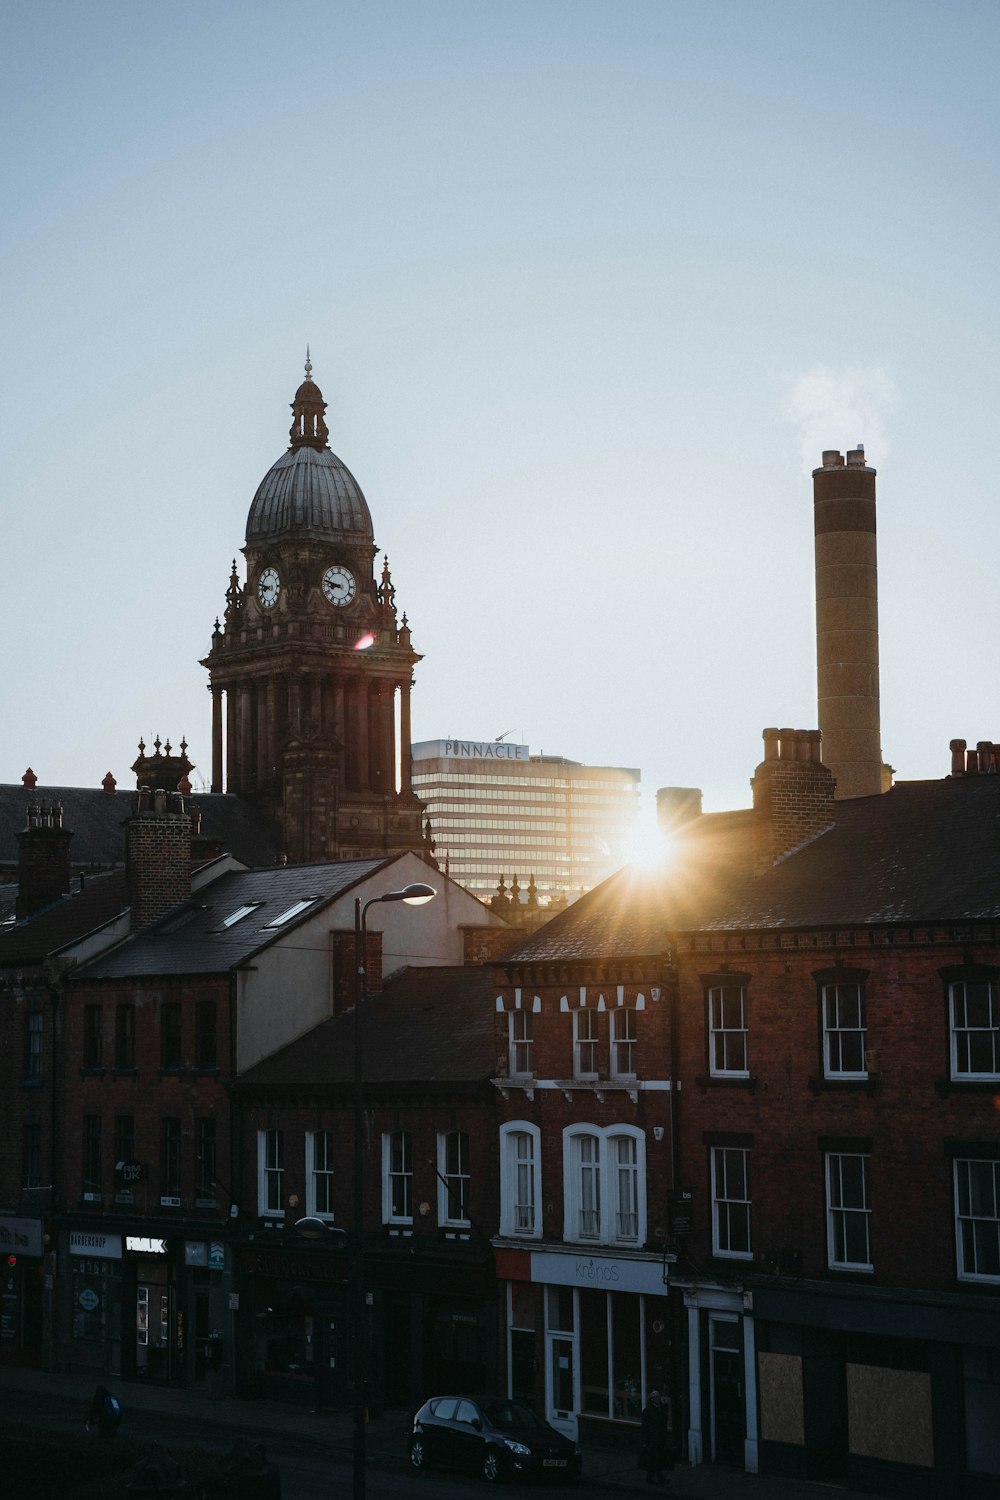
{"x": 287, "y": 990}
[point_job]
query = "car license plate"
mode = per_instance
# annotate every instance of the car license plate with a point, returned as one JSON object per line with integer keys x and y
{"x": 553, "y": 1463}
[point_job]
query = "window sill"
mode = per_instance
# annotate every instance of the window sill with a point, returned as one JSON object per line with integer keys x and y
{"x": 92, "y": 1072}
{"x": 35, "y": 1082}
{"x": 844, "y": 1085}
{"x": 124, "y": 1072}
{"x": 706, "y": 1081}
{"x": 206, "y": 1071}
{"x": 177, "y": 1072}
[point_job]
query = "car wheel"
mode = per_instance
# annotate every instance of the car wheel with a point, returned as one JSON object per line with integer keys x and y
{"x": 492, "y": 1466}
{"x": 418, "y": 1454}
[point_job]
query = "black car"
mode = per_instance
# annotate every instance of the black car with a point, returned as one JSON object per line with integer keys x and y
{"x": 497, "y": 1438}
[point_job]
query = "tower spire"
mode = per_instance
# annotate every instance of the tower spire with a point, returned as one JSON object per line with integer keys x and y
{"x": 308, "y": 429}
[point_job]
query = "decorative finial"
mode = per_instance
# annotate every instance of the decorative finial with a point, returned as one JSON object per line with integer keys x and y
{"x": 309, "y": 368}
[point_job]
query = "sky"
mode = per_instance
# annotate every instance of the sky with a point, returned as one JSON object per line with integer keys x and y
{"x": 588, "y": 288}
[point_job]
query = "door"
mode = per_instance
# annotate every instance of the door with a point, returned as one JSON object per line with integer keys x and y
{"x": 560, "y": 1383}
{"x": 726, "y": 1391}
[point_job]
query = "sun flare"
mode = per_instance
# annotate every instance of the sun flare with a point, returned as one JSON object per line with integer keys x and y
{"x": 649, "y": 848}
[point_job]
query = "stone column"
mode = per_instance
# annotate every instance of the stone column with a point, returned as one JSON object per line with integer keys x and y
{"x": 405, "y": 759}
{"x": 216, "y": 737}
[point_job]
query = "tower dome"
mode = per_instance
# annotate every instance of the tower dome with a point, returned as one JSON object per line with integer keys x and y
{"x": 309, "y": 491}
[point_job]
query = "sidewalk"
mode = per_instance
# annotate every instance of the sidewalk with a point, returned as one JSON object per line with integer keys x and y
{"x": 605, "y": 1470}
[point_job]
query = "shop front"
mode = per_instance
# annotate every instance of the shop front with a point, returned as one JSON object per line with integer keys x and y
{"x": 144, "y": 1306}
{"x": 294, "y": 1324}
{"x": 883, "y": 1394}
{"x": 587, "y": 1338}
{"x": 21, "y": 1290}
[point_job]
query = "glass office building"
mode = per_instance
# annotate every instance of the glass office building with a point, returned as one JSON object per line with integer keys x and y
{"x": 497, "y": 810}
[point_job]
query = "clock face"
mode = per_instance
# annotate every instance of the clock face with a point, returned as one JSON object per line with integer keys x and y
{"x": 338, "y": 585}
{"x": 268, "y": 587}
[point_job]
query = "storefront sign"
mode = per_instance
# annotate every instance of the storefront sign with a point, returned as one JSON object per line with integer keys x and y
{"x": 217, "y": 1256}
{"x": 195, "y": 1253}
{"x": 142, "y": 1244}
{"x": 598, "y": 1272}
{"x": 99, "y": 1246}
{"x": 21, "y": 1236}
{"x": 88, "y": 1299}
{"x": 128, "y": 1173}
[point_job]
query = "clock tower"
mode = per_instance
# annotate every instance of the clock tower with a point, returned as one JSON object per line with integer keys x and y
{"x": 311, "y": 670}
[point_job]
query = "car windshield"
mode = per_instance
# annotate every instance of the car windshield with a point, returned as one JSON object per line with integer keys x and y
{"x": 510, "y": 1417}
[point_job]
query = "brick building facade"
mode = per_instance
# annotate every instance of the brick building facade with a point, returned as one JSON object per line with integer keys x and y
{"x": 833, "y": 1054}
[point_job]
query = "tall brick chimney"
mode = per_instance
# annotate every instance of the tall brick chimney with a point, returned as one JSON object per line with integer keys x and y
{"x": 847, "y": 681}
{"x": 157, "y": 855}
{"x": 42, "y": 860}
{"x": 793, "y": 795}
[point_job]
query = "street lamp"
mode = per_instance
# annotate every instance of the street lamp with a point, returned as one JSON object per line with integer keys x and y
{"x": 416, "y": 894}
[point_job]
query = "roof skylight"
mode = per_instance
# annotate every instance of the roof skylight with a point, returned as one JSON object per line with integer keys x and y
{"x": 240, "y": 913}
{"x": 293, "y": 911}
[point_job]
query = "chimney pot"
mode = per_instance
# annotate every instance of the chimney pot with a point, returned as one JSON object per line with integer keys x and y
{"x": 786, "y": 745}
{"x": 957, "y": 748}
{"x": 159, "y": 800}
{"x": 109, "y": 784}
{"x": 856, "y": 458}
{"x": 772, "y": 746}
{"x": 29, "y": 779}
{"x": 832, "y": 458}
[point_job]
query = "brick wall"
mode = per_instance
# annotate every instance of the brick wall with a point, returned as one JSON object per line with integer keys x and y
{"x": 157, "y": 857}
{"x": 906, "y": 1109}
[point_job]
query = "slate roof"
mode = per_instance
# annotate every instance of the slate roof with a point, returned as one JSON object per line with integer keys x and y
{"x": 95, "y": 820}
{"x": 191, "y": 939}
{"x": 66, "y": 920}
{"x": 926, "y": 851}
{"x": 427, "y": 1024}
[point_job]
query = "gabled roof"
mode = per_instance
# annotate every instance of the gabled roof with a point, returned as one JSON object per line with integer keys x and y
{"x": 193, "y": 938}
{"x": 427, "y": 1025}
{"x": 65, "y": 921}
{"x": 926, "y": 851}
{"x": 95, "y": 817}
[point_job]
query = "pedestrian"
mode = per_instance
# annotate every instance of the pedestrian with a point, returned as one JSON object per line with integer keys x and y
{"x": 655, "y": 1439}
{"x": 105, "y": 1413}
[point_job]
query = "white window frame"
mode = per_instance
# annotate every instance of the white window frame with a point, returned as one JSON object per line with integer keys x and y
{"x": 592, "y": 1185}
{"x": 390, "y": 1171}
{"x": 624, "y": 1041}
{"x": 517, "y": 1169}
{"x": 586, "y": 1038}
{"x": 271, "y": 1173}
{"x": 725, "y": 1035}
{"x": 725, "y": 1206}
{"x": 319, "y": 1164}
{"x": 834, "y": 1033}
{"x": 959, "y": 1034}
{"x": 840, "y": 1214}
{"x": 971, "y": 1227}
{"x": 463, "y": 1175}
{"x": 520, "y": 1043}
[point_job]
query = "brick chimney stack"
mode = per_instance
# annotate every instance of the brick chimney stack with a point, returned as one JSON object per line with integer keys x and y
{"x": 42, "y": 860}
{"x": 847, "y": 679}
{"x": 157, "y": 855}
{"x": 676, "y": 806}
{"x": 793, "y": 794}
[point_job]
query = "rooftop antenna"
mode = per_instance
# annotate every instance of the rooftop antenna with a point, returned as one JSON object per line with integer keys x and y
{"x": 501, "y": 737}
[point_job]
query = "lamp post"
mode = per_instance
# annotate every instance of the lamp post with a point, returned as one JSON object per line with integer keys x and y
{"x": 416, "y": 894}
